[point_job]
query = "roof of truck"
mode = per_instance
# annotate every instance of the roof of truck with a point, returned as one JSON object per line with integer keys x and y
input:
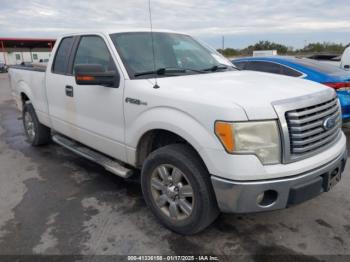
{"x": 127, "y": 30}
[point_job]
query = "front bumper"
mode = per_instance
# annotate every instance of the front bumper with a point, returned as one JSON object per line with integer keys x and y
{"x": 242, "y": 197}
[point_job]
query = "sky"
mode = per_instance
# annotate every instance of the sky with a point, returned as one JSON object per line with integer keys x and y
{"x": 290, "y": 22}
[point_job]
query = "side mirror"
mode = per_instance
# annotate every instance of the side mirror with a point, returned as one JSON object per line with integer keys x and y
{"x": 347, "y": 67}
{"x": 94, "y": 74}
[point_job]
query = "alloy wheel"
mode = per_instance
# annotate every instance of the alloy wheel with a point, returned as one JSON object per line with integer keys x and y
{"x": 172, "y": 192}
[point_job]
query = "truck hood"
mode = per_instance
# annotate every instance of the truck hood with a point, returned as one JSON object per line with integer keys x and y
{"x": 253, "y": 91}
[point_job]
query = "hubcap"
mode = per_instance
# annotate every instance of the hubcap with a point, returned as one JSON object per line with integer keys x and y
{"x": 172, "y": 192}
{"x": 29, "y": 126}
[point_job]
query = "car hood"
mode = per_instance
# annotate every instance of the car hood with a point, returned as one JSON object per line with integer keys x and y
{"x": 253, "y": 91}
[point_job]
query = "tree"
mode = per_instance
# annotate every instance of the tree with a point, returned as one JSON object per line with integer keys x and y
{"x": 267, "y": 45}
{"x": 312, "y": 48}
{"x": 324, "y": 47}
{"x": 229, "y": 52}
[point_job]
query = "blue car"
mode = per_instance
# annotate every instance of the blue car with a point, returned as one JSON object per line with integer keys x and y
{"x": 326, "y": 74}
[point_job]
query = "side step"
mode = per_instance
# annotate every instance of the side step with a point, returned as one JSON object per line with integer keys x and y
{"x": 109, "y": 164}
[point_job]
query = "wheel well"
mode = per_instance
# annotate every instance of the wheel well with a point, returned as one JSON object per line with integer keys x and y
{"x": 155, "y": 139}
{"x": 24, "y": 98}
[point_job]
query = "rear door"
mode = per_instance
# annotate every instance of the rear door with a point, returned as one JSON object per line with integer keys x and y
{"x": 57, "y": 78}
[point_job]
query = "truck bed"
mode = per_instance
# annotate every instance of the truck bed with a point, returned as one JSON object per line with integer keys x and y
{"x": 32, "y": 67}
{"x": 30, "y": 80}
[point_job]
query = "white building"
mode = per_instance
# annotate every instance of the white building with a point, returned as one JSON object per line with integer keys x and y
{"x": 14, "y": 51}
{"x": 264, "y": 52}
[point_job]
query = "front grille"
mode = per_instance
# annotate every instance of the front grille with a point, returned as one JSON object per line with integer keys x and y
{"x": 306, "y": 127}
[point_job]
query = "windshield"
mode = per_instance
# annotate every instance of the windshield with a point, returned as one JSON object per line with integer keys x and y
{"x": 171, "y": 51}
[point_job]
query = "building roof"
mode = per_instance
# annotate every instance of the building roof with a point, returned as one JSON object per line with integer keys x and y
{"x": 26, "y": 42}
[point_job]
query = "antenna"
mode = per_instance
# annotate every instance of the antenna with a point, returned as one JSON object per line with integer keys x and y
{"x": 156, "y": 86}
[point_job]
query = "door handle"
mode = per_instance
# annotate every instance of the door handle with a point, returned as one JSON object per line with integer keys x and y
{"x": 69, "y": 91}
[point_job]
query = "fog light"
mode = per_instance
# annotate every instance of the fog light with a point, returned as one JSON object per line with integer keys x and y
{"x": 334, "y": 172}
{"x": 267, "y": 198}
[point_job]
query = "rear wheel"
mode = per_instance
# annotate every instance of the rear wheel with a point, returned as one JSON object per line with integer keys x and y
{"x": 177, "y": 188}
{"x": 36, "y": 133}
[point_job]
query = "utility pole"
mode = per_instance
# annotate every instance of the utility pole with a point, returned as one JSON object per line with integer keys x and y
{"x": 223, "y": 43}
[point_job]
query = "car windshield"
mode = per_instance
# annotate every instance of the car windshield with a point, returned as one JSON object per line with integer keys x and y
{"x": 318, "y": 66}
{"x": 174, "y": 54}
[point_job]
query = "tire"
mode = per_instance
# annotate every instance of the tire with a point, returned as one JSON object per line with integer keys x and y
{"x": 36, "y": 133}
{"x": 160, "y": 198}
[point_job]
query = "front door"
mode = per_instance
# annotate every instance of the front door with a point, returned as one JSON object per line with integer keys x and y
{"x": 93, "y": 114}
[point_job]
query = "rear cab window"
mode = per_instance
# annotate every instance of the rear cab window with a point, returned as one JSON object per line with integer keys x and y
{"x": 60, "y": 63}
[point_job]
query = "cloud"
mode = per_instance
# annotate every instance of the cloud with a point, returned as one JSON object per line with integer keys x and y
{"x": 203, "y": 18}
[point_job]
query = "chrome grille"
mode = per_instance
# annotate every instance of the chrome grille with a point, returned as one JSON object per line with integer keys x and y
{"x": 306, "y": 127}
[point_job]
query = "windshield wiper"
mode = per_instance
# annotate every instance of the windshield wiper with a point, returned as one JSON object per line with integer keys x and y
{"x": 216, "y": 68}
{"x": 168, "y": 70}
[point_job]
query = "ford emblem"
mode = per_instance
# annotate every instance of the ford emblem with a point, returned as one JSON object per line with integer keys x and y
{"x": 330, "y": 122}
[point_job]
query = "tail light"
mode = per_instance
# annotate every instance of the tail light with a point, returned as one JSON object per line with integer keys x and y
{"x": 339, "y": 85}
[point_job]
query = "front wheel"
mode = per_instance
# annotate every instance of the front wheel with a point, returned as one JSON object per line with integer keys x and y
{"x": 36, "y": 133}
{"x": 177, "y": 188}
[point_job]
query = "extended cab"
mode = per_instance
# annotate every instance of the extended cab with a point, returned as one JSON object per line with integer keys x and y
{"x": 206, "y": 136}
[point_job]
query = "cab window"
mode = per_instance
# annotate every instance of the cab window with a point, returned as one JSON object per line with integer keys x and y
{"x": 241, "y": 65}
{"x": 61, "y": 59}
{"x": 290, "y": 72}
{"x": 93, "y": 50}
{"x": 264, "y": 67}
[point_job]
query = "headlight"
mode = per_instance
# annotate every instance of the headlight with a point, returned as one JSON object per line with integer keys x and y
{"x": 256, "y": 137}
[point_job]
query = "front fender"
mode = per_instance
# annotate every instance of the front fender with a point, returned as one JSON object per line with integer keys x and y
{"x": 175, "y": 121}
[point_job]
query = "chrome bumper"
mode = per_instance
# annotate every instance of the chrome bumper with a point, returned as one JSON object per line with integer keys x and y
{"x": 243, "y": 197}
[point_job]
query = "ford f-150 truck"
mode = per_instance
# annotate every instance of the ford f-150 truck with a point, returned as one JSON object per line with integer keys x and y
{"x": 205, "y": 136}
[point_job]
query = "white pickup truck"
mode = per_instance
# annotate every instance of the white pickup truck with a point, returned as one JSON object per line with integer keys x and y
{"x": 206, "y": 136}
